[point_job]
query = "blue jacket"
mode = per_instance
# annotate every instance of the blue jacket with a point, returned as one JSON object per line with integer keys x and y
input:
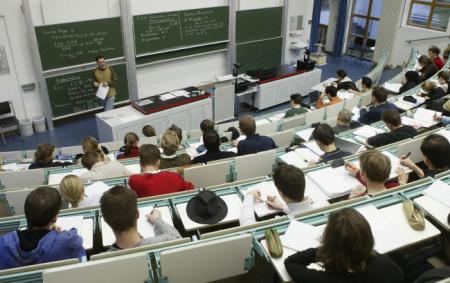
{"x": 374, "y": 114}
{"x": 255, "y": 143}
{"x": 52, "y": 247}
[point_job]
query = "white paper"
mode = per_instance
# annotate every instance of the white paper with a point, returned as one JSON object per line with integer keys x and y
{"x": 10, "y": 167}
{"x": 356, "y": 114}
{"x": 144, "y": 102}
{"x": 321, "y": 87}
{"x": 305, "y": 134}
{"x": 266, "y": 189}
{"x": 129, "y": 118}
{"x": 294, "y": 159}
{"x": 404, "y": 105}
{"x": 111, "y": 156}
{"x": 84, "y": 228}
{"x": 334, "y": 182}
{"x": 367, "y": 131}
{"x": 439, "y": 191}
{"x": 134, "y": 168}
{"x": 426, "y": 117}
{"x": 301, "y": 236}
{"x": 180, "y": 93}
{"x": 444, "y": 133}
{"x": 224, "y": 78}
{"x": 276, "y": 117}
{"x": 342, "y": 94}
{"x": 412, "y": 122}
{"x": 394, "y": 87}
{"x": 232, "y": 149}
{"x": 312, "y": 145}
{"x": 55, "y": 179}
{"x": 166, "y": 96}
{"x": 241, "y": 138}
{"x": 102, "y": 91}
{"x": 98, "y": 188}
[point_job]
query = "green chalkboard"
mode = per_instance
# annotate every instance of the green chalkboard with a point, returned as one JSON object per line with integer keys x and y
{"x": 75, "y": 92}
{"x": 180, "y": 29}
{"x": 259, "y": 54}
{"x": 69, "y": 44}
{"x": 258, "y": 24}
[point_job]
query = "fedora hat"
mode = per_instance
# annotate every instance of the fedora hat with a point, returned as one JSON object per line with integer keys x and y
{"x": 206, "y": 208}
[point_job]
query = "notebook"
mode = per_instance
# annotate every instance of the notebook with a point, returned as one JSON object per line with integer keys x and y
{"x": 300, "y": 236}
{"x": 300, "y": 158}
{"x": 266, "y": 189}
{"x": 367, "y": 131}
{"x": 439, "y": 191}
{"x": 334, "y": 182}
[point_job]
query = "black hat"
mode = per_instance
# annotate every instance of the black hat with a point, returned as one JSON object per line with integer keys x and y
{"x": 206, "y": 208}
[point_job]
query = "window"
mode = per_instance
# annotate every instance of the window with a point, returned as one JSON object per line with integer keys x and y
{"x": 432, "y": 14}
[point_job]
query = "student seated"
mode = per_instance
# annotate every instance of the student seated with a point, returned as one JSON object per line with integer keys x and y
{"x": 430, "y": 91}
{"x": 435, "y": 151}
{"x": 324, "y": 136}
{"x": 346, "y": 253}
{"x": 343, "y": 81}
{"x": 328, "y": 97}
{"x": 42, "y": 241}
{"x": 380, "y": 104}
{"x": 152, "y": 181}
{"x": 177, "y": 131}
{"x": 428, "y": 68}
{"x": 99, "y": 169}
{"x": 205, "y": 125}
{"x": 366, "y": 89}
{"x": 169, "y": 158}
{"x": 91, "y": 144}
{"x": 72, "y": 191}
{"x": 148, "y": 131}
{"x": 290, "y": 183}
{"x": 296, "y": 106}
{"x": 254, "y": 142}
{"x": 344, "y": 122}
{"x": 433, "y": 53}
{"x": 398, "y": 131}
{"x": 44, "y": 156}
{"x": 131, "y": 147}
{"x": 374, "y": 174}
{"x": 211, "y": 142}
{"x": 124, "y": 224}
{"x": 411, "y": 80}
{"x": 443, "y": 81}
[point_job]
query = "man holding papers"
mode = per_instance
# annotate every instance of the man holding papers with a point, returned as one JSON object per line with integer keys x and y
{"x": 105, "y": 80}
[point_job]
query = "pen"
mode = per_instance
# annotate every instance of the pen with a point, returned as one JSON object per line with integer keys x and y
{"x": 407, "y": 155}
{"x": 154, "y": 208}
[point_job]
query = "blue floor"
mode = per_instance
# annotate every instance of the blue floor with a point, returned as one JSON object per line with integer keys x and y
{"x": 73, "y": 132}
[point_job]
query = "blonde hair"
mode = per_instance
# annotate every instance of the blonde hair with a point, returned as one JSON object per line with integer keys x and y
{"x": 170, "y": 142}
{"x": 91, "y": 144}
{"x": 71, "y": 189}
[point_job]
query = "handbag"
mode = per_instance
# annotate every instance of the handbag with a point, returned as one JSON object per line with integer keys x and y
{"x": 415, "y": 217}
{"x": 274, "y": 243}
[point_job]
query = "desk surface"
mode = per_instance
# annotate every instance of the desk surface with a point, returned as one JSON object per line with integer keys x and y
{"x": 282, "y": 72}
{"x": 435, "y": 209}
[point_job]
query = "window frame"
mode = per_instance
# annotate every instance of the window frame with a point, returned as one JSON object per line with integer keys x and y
{"x": 433, "y": 4}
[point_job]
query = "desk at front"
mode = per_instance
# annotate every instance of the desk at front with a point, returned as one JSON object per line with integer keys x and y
{"x": 187, "y": 114}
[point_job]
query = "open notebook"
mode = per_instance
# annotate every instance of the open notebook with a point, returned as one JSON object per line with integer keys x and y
{"x": 334, "y": 182}
{"x": 84, "y": 227}
{"x": 422, "y": 118}
{"x": 367, "y": 131}
{"x": 300, "y": 236}
{"x": 300, "y": 158}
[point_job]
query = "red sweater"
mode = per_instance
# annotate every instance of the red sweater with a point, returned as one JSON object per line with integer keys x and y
{"x": 438, "y": 62}
{"x": 133, "y": 153}
{"x": 153, "y": 184}
{"x": 388, "y": 185}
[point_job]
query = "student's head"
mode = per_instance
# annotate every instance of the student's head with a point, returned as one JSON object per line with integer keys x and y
{"x": 347, "y": 242}
{"x": 424, "y": 60}
{"x": 290, "y": 182}
{"x": 428, "y": 86}
{"x": 323, "y": 134}
{"x": 391, "y": 118}
{"x": 379, "y": 94}
{"x": 341, "y": 73}
{"x": 412, "y": 76}
{"x": 130, "y": 140}
{"x": 436, "y": 152}
{"x": 149, "y": 155}
{"x": 148, "y": 131}
{"x": 344, "y": 117}
{"x": 211, "y": 140}
{"x": 119, "y": 209}
{"x": 71, "y": 189}
{"x": 206, "y": 125}
{"x": 247, "y": 125}
{"x": 375, "y": 166}
{"x": 296, "y": 99}
{"x": 331, "y": 91}
{"x": 170, "y": 142}
{"x": 42, "y": 206}
{"x": 433, "y": 52}
{"x": 101, "y": 62}
{"x": 443, "y": 77}
{"x": 44, "y": 153}
{"x": 89, "y": 159}
{"x": 234, "y": 133}
{"x": 366, "y": 82}
{"x": 178, "y": 131}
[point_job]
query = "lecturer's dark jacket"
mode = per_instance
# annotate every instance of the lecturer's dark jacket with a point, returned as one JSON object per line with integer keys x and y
{"x": 255, "y": 143}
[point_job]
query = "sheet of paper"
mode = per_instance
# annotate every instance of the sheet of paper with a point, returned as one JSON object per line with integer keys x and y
{"x": 412, "y": 122}
{"x": 55, "y": 179}
{"x": 342, "y": 94}
{"x": 294, "y": 159}
{"x": 327, "y": 178}
{"x": 312, "y": 145}
{"x": 307, "y": 154}
{"x": 355, "y": 112}
{"x": 276, "y": 117}
{"x": 367, "y": 131}
{"x": 394, "y": 87}
{"x": 166, "y": 96}
{"x": 10, "y": 167}
{"x": 266, "y": 189}
{"x": 145, "y": 102}
{"x": 97, "y": 188}
{"x": 84, "y": 228}
{"x": 404, "y": 105}
{"x": 180, "y": 93}
{"x": 305, "y": 134}
{"x": 439, "y": 191}
{"x": 300, "y": 236}
{"x": 134, "y": 168}
{"x": 102, "y": 91}
{"x": 321, "y": 87}
{"x": 426, "y": 117}
{"x": 23, "y": 166}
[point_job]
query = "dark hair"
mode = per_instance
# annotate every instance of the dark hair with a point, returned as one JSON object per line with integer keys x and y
{"x": 437, "y": 149}
{"x": 89, "y": 159}
{"x": 297, "y": 98}
{"x": 367, "y": 82}
{"x": 331, "y": 90}
{"x": 119, "y": 208}
{"x": 148, "y": 131}
{"x": 444, "y": 75}
{"x": 391, "y": 117}
{"x": 234, "y": 133}
{"x": 211, "y": 140}
{"x": 434, "y": 49}
{"x": 290, "y": 180}
{"x": 130, "y": 140}
{"x": 324, "y": 134}
{"x": 375, "y": 165}
{"x": 341, "y": 73}
{"x": 347, "y": 242}
{"x": 380, "y": 94}
{"x": 98, "y": 57}
{"x": 149, "y": 154}
{"x": 206, "y": 125}
{"x": 41, "y": 206}
{"x": 44, "y": 153}
{"x": 424, "y": 59}
{"x": 178, "y": 131}
{"x": 412, "y": 76}
{"x": 247, "y": 125}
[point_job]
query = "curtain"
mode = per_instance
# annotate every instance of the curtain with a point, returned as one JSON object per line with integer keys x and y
{"x": 314, "y": 36}
{"x": 340, "y": 28}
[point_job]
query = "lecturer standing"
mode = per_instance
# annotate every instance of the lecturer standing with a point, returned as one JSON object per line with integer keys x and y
{"x": 106, "y": 76}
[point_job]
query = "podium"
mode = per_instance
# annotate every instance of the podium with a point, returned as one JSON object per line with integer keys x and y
{"x": 223, "y": 102}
